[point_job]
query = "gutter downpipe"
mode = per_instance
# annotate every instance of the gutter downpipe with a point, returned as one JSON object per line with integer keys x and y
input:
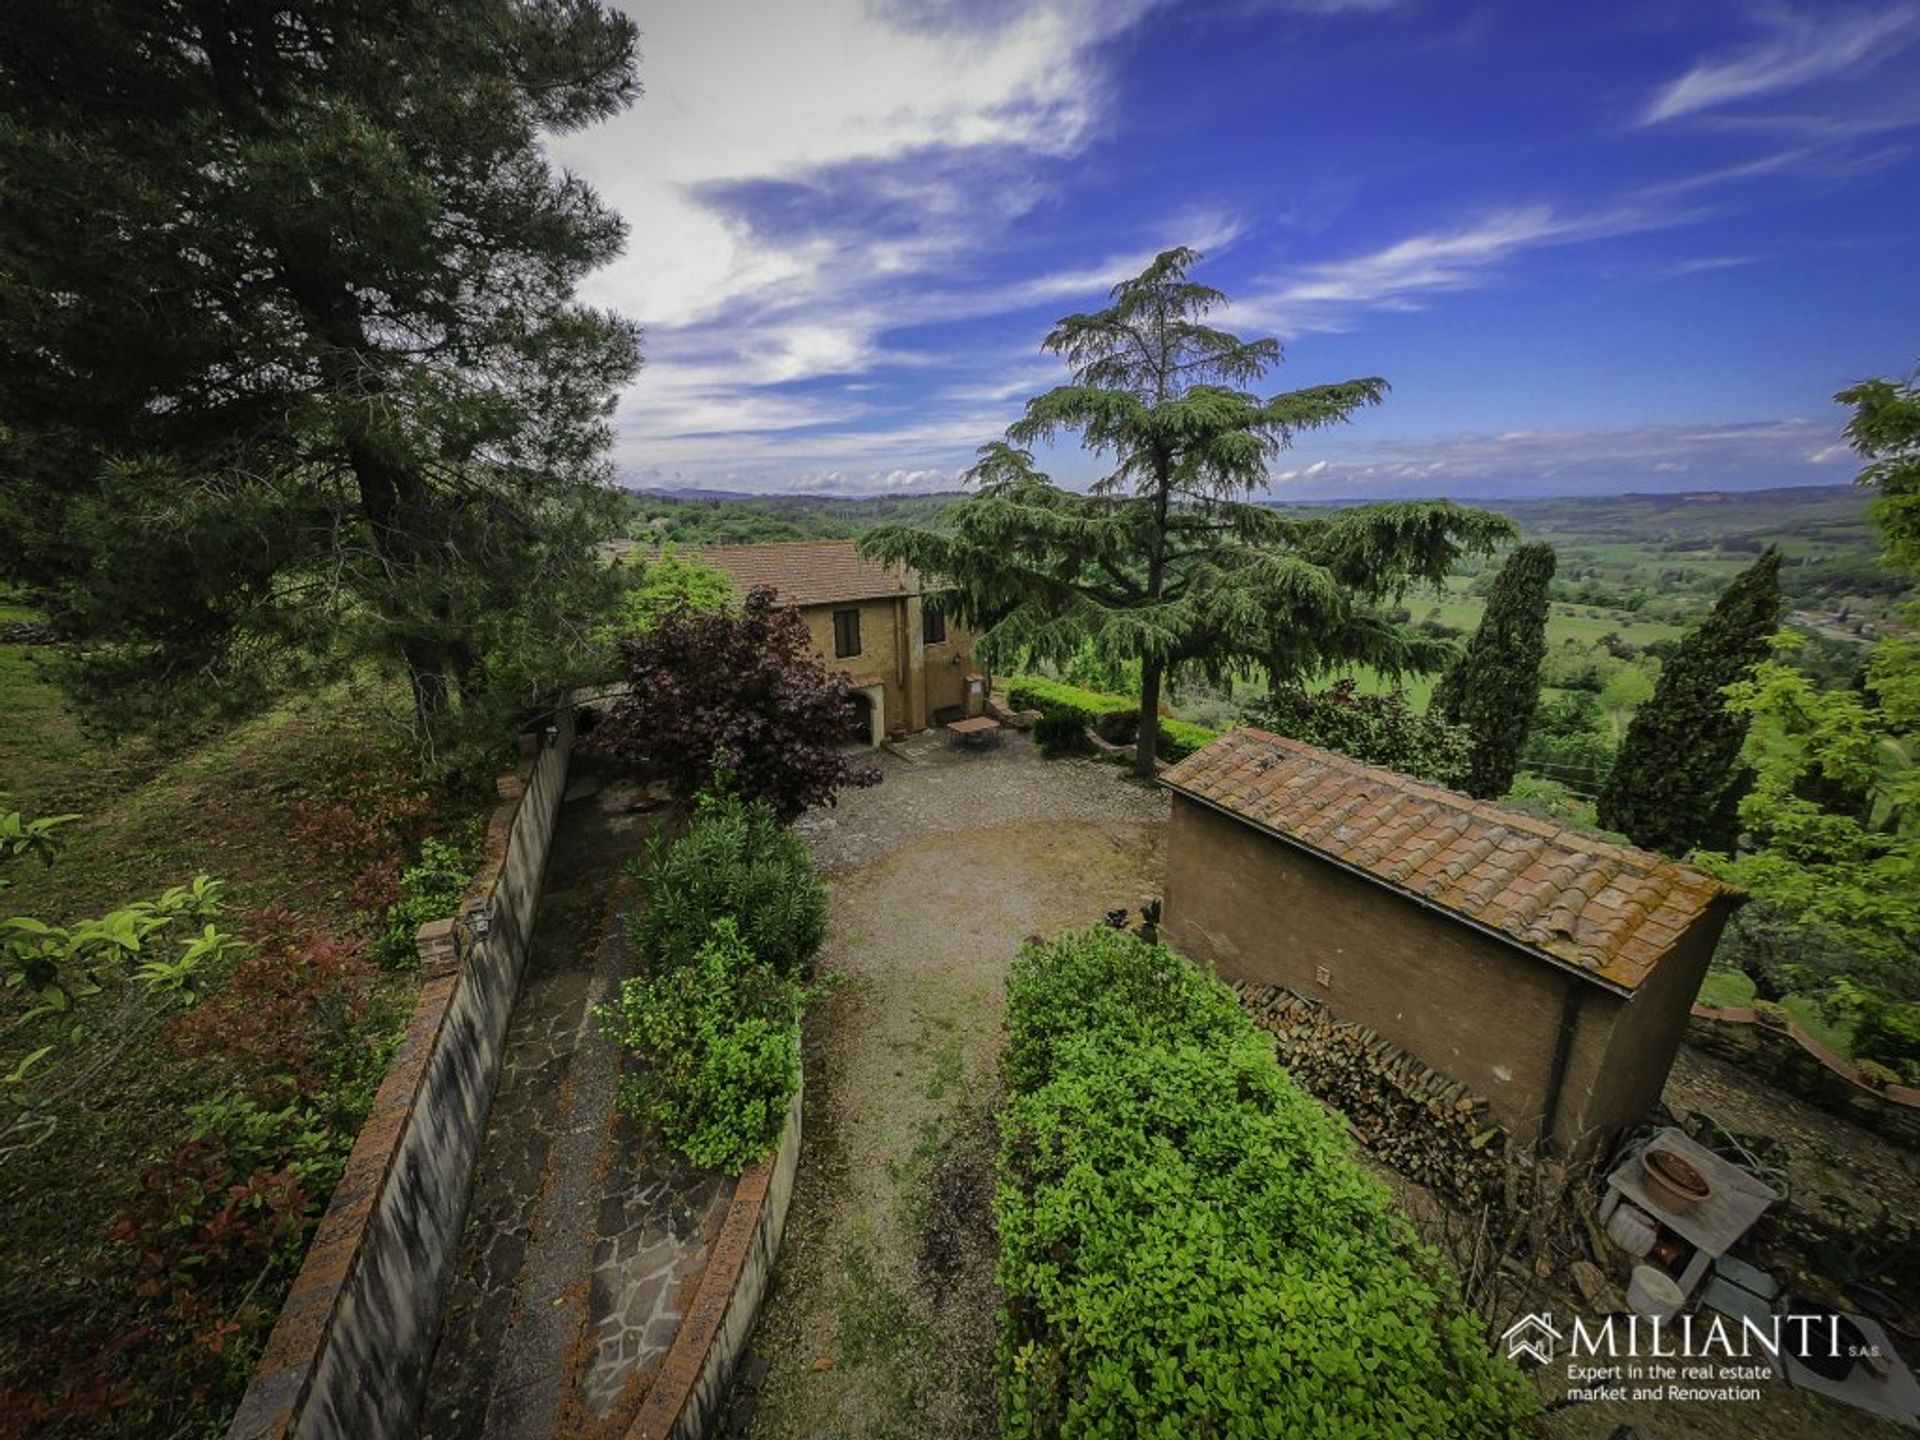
{"x": 1562, "y": 1052}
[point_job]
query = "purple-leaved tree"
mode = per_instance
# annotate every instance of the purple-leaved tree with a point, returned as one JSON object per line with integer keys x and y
{"x": 742, "y": 694}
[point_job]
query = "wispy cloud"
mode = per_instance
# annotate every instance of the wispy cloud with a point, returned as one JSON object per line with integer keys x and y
{"x": 1664, "y": 458}
{"x": 1803, "y": 49}
{"x": 1327, "y": 295}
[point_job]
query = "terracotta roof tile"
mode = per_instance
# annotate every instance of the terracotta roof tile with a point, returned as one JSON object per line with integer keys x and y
{"x": 807, "y": 572}
{"x": 1607, "y": 909}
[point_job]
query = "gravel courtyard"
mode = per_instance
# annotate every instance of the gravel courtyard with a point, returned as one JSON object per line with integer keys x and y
{"x": 882, "y": 1320}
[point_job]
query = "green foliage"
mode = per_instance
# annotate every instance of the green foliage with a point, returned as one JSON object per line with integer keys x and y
{"x": 737, "y": 862}
{"x": 430, "y": 889}
{"x": 1068, "y": 712}
{"x": 1678, "y": 778}
{"x": 1379, "y": 729}
{"x": 1188, "y": 1246}
{"x": 1089, "y": 670}
{"x": 52, "y": 967}
{"x": 1493, "y": 687}
{"x": 1165, "y": 564}
{"x": 1880, "y": 1029}
{"x": 669, "y": 582}
{"x": 718, "y": 1040}
{"x": 1885, "y": 432}
{"x": 292, "y": 371}
{"x": 1069, "y": 702}
{"x": 1833, "y": 818}
{"x": 22, "y": 837}
{"x": 1061, "y": 735}
{"x": 256, "y": 1137}
{"x": 1178, "y": 739}
{"x": 1571, "y": 742}
{"x": 1832, "y": 845}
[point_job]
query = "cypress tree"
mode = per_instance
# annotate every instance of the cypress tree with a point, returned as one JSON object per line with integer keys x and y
{"x": 1678, "y": 780}
{"x": 1494, "y": 686}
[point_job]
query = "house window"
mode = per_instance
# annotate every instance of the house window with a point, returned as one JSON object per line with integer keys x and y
{"x": 933, "y": 627}
{"x": 846, "y": 633}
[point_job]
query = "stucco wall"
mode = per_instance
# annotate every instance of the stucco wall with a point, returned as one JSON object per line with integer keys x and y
{"x": 916, "y": 679}
{"x": 348, "y": 1356}
{"x": 1466, "y": 1003}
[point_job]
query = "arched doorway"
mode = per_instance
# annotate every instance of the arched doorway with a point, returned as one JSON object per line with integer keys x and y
{"x": 869, "y": 723}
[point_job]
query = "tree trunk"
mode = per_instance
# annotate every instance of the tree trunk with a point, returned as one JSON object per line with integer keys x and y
{"x": 1147, "y": 743}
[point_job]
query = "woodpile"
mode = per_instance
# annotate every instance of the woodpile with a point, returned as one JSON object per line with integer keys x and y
{"x": 1408, "y": 1115}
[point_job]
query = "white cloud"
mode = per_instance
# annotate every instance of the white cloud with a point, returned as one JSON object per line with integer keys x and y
{"x": 938, "y": 120}
{"x": 1575, "y": 461}
{"x": 739, "y": 91}
{"x": 1326, "y": 294}
{"x": 1804, "y": 49}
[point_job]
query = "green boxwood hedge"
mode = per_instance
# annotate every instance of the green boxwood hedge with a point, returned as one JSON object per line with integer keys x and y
{"x": 1187, "y": 1244}
{"x": 1115, "y": 718}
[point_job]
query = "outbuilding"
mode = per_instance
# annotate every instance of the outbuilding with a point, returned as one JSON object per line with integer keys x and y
{"x": 1548, "y": 970}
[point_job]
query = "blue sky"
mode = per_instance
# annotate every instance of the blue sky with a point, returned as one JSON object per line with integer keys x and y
{"x": 1593, "y": 247}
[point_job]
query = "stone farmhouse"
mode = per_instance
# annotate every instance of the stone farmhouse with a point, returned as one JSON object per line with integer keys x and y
{"x": 1549, "y": 971}
{"x": 910, "y": 665}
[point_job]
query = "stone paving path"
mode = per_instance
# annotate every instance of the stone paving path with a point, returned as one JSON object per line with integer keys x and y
{"x": 582, "y": 1244}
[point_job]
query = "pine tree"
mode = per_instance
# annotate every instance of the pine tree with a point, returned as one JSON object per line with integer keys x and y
{"x": 1494, "y": 686}
{"x": 1166, "y": 562}
{"x": 291, "y": 368}
{"x": 1678, "y": 781}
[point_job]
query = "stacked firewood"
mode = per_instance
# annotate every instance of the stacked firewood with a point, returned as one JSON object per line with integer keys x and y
{"x": 1431, "y": 1129}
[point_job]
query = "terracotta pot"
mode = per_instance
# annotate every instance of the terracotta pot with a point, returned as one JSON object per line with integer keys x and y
{"x": 1672, "y": 1180}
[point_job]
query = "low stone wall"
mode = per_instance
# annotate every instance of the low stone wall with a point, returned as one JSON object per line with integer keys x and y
{"x": 1407, "y": 1114}
{"x": 1790, "y": 1058}
{"x": 687, "y": 1394}
{"x": 349, "y": 1354}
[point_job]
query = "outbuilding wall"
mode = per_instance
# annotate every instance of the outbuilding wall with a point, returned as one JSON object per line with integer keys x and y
{"x": 1468, "y": 1003}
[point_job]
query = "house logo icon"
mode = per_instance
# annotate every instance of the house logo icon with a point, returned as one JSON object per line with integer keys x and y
{"x": 1532, "y": 1335}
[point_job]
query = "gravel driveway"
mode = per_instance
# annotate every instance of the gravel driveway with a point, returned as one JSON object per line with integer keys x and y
{"x": 882, "y": 1319}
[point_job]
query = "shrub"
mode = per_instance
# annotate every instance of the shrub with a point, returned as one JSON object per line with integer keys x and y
{"x": 1068, "y": 711}
{"x": 430, "y": 889}
{"x": 718, "y": 1039}
{"x": 1378, "y": 729}
{"x": 1178, "y": 739}
{"x": 1068, "y": 702}
{"x": 1187, "y": 1244}
{"x": 743, "y": 691}
{"x": 736, "y": 861}
{"x": 1884, "y": 1030}
{"x": 1060, "y": 735}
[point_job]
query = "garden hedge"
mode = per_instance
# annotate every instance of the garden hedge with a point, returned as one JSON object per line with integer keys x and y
{"x": 1115, "y": 718}
{"x": 736, "y": 859}
{"x": 733, "y": 914}
{"x": 1188, "y": 1246}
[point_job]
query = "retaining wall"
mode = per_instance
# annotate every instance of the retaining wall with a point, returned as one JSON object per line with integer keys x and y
{"x": 691, "y": 1386}
{"x": 349, "y": 1355}
{"x": 1790, "y": 1058}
